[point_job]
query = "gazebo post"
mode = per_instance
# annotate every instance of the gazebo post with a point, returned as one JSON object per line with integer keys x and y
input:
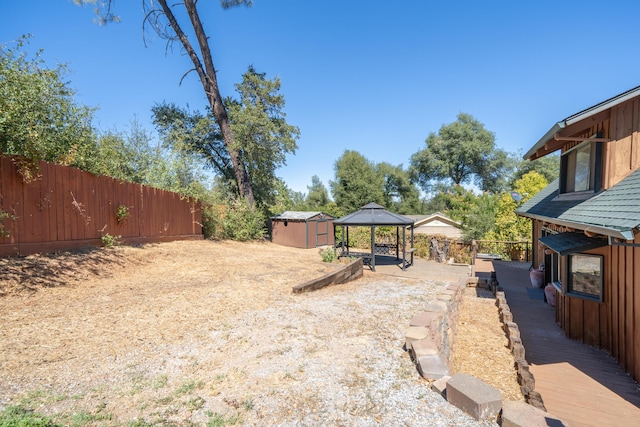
{"x": 373, "y": 246}
{"x": 404, "y": 248}
{"x": 345, "y": 239}
{"x": 412, "y": 242}
{"x": 398, "y": 241}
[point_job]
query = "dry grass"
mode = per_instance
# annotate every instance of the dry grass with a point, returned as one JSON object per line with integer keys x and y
{"x": 210, "y": 332}
{"x": 480, "y": 347}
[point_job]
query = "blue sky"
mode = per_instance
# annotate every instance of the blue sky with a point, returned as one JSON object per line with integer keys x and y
{"x": 372, "y": 76}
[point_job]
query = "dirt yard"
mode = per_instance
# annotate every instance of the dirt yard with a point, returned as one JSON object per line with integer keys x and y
{"x": 209, "y": 333}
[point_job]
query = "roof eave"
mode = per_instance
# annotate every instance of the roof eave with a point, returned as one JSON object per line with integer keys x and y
{"x": 581, "y": 115}
{"x": 547, "y": 136}
{"x": 606, "y": 231}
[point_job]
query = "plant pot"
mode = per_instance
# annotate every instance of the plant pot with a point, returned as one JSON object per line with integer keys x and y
{"x": 550, "y": 293}
{"x": 537, "y": 278}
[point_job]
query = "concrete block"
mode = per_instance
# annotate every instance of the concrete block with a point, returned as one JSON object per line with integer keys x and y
{"x": 432, "y": 367}
{"x": 440, "y": 385}
{"x": 425, "y": 318}
{"x": 518, "y": 349}
{"x": 520, "y": 414}
{"x": 506, "y": 316}
{"x": 453, "y": 287}
{"x": 472, "y": 282}
{"x": 425, "y": 347}
{"x": 535, "y": 399}
{"x": 436, "y": 306}
{"x": 475, "y": 397}
{"x": 445, "y": 297}
{"x": 415, "y": 333}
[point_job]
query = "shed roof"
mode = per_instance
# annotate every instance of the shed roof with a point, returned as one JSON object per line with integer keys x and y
{"x": 373, "y": 214}
{"x": 614, "y": 212}
{"x": 299, "y": 215}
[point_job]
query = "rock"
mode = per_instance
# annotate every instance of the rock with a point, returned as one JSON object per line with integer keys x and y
{"x": 415, "y": 333}
{"x": 520, "y": 414}
{"x": 440, "y": 385}
{"x": 432, "y": 367}
{"x": 475, "y": 397}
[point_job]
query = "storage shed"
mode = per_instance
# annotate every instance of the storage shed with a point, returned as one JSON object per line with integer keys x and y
{"x": 302, "y": 229}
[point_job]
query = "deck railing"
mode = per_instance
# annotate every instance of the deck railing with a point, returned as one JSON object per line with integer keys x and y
{"x": 508, "y": 250}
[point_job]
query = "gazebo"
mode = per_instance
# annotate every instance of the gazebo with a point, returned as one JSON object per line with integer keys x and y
{"x": 374, "y": 215}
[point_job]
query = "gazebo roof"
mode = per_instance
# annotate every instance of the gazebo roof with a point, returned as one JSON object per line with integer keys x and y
{"x": 373, "y": 214}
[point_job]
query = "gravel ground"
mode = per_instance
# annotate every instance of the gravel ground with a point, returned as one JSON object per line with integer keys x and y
{"x": 205, "y": 333}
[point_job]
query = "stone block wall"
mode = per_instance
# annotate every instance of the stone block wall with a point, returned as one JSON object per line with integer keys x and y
{"x": 429, "y": 336}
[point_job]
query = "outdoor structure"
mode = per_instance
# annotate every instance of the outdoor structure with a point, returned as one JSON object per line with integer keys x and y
{"x": 436, "y": 224}
{"x": 372, "y": 216}
{"x": 302, "y": 229}
{"x": 586, "y": 223}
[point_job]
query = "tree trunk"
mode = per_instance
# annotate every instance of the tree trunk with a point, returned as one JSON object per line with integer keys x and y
{"x": 209, "y": 82}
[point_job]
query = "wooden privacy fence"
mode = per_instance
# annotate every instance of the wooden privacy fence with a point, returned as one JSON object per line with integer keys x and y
{"x": 68, "y": 208}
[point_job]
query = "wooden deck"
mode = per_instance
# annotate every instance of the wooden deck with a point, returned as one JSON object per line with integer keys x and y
{"x": 580, "y": 384}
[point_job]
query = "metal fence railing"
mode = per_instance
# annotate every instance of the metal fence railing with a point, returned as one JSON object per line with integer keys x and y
{"x": 507, "y": 250}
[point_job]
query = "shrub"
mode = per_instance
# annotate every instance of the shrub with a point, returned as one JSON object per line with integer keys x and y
{"x": 235, "y": 221}
{"x": 328, "y": 255}
{"x": 122, "y": 214}
{"x": 109, "y": 241}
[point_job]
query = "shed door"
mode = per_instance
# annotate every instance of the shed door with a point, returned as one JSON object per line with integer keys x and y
{"x": 322, "y": 232}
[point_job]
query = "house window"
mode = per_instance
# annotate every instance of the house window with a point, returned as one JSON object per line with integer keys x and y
{"x": 585, "y": 276}
{"x": 580, "y": 168}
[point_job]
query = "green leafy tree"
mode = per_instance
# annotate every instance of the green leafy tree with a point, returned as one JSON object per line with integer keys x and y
{"x": 285, "y": 199}
{"x": 162, "y": 19}
{"x": 547, "y": 166}
{"x": 462, "y": 152}
{"x": 508, "y": 226}
{"x": 133, "y": 156}
{"x": 196, "y": 134}
{"x": 357, "y": 182}
{"x": 318, "y": 196}
{"x": 39, "y": 118}
{"x": 400, "y": 194}
{"x": 480, "y": 218}
{"x": 456, "y": 202}
{"x": 263, "y": 138}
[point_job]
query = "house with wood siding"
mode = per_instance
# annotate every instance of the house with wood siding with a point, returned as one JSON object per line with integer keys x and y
{"x": 586, "y": 226}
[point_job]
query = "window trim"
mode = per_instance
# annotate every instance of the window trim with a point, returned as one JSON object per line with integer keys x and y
{"x": 552, "y": 267}
{"x": 595, "y": 169}
{"x": 577, "y": 294}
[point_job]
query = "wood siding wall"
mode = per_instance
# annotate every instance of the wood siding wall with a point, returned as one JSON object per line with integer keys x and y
{"x": 613, "y": 324}
{"x": 69, "y": 208}
{"x": 622, "y": 154}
